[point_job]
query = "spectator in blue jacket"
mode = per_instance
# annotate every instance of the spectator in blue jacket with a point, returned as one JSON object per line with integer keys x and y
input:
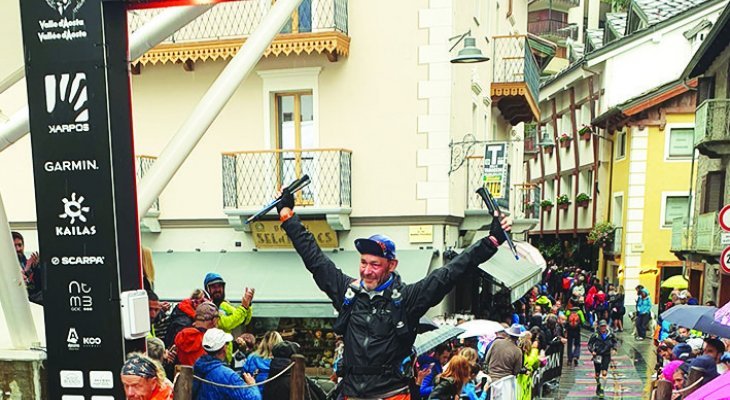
{"x": 441, "y": 357}
{"x": 258, "y": 363}
{"x": 212, "y": 367}
{"x": 643, "y": 312}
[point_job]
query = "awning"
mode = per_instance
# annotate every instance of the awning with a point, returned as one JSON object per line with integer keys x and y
{"x": 517, "y": 276}
{"x": 284, "y": 287}
{"x": 531, "y": 253}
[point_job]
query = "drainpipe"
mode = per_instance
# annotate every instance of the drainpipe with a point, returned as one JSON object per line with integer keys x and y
{"x": 145, "y": 38}
{"x": 13, "y": 295}
{"x": 12, "y": 79}
{"x": 185, "y": 140}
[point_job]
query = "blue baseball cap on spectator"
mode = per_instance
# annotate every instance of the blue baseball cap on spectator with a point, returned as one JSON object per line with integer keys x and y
{"x": 682, "y": 351}
{"x": 377, "y": 245}
{"x": 707, "y": 365}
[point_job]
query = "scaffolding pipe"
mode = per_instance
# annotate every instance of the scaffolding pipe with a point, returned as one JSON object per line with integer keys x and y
{"x": 12, "y": 79}
{"x": 13, "y": 295}
{"x": 145, "y": 38}
{"x": 188, "y": 136}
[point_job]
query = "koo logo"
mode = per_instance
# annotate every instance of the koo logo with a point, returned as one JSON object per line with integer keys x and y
{"x": 66, "y": 97}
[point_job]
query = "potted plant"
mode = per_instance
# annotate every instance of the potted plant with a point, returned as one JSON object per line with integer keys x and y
{"x": 563, "y": 202}
{"x": 586, "y": 132}
{"x": 564, "y": 140}
{"x": 582, "y": 200}
{"x": 546, "y": 205}
{"x": 601, "y": 234}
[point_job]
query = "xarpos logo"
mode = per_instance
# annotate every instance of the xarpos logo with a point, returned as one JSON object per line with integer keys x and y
{"x": 66, "y": 97}
{"x": 66, "y": 7}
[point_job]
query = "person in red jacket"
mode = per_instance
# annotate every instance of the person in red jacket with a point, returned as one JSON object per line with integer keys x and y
{"x": 189, "y": 341}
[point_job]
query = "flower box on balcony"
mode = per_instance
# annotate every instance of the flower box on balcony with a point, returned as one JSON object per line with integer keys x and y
{"x": 563, "y": 202}
{"x": 586, "y": 132}
{"x": 565, "y": 140}
{"x": 546, "y": 205}
{"x": 548, "y": 149}
{"x": 582, "y": 200}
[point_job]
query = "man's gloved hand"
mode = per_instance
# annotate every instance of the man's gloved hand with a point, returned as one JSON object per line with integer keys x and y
{"x": 287, "y": 201}
{"x": 500, "y": 225}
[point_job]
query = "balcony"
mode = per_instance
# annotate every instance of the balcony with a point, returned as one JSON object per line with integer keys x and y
{"x": 252, "y": 179}
{"x": 613, "y": 248}
{"x": 150, "y": 221}
{"x": 553, "y": 30}
{"x": 681, "y": 235}
{"x": 712, "y": 128}
{"x": 531, "y": 141}
{"x": 516, "y": 81}
{"x": 707, "y": 234}
{"x": 317, "y": 26}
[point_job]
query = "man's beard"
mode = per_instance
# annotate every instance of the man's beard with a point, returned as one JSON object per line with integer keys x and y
{"x": 218, "y": 298}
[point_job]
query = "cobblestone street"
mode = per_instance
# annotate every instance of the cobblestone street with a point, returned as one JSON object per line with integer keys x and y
{"x": 628, "y": 377}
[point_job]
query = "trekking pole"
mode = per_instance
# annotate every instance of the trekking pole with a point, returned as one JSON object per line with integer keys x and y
{"x": 493, "y": 207}
{"x": 293, "y": 187}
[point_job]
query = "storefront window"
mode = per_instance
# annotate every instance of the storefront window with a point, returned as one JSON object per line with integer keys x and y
{"x": 314, "y": 335}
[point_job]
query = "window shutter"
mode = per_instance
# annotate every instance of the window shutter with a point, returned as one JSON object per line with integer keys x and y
{"x": 714, "y": 191}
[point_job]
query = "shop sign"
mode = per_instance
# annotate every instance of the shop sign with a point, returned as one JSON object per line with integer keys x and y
{"x": 496, "y": 169}
{"x": 420, "y": 234}
{"x": 270, "y": 234}
{"x": 80, "y": 128}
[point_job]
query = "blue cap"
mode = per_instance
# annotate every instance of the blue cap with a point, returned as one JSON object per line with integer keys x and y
{"x": 706, "y": 364}
{"x": 682, "y": 351}
{"x": 211, "y": 278}
{"x": 377, "y": 245}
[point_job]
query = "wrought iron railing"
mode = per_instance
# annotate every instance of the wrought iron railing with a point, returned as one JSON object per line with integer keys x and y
{"x": 253, "y": 178}
{"x": 707, "y": 233}
{"x": 475, "y": 179}
{"x": 238, "y": 19}
{"x": 553, "y": 29}
{"x": 531, "y": 140}
{"x": 514, "y": 62}
{"x": 144, "y": 163}
{"x": 681, "y": 235}
{"x": 712, "y": 121}
{"x": 528, "y": 196}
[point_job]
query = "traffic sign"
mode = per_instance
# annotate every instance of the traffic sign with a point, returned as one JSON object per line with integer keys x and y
{"x": 725, "y": 260}
{"x": 724, "y": 218}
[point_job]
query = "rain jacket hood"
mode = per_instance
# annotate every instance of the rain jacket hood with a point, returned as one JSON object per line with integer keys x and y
{"x": 189, "y": 342}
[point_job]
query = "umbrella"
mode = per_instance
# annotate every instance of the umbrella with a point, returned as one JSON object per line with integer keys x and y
{"x": 479, "y": 327}
{"x": 426, "y": 324}
{"x": 716, "y": 389}
{"x": 701, "y": 318}
{"x": 675, "y": 282}
{"x": 722, "y": 316}
{"x": 427, "y": 341}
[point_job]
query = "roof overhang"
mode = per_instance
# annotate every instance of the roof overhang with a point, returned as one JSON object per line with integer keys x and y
{"x": 717, "y": 40}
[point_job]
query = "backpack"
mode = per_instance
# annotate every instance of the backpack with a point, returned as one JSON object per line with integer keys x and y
{"x": 566, "y": 283}
{"x": 574, "y": 320}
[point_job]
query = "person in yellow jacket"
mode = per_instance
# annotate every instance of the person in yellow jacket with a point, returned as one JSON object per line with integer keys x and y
{"x": 231, "y": 316}
{"x": 530, "y": 363}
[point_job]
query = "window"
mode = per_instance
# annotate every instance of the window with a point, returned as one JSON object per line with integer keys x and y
{"x": 713, "y": 192}
{"x": 681, "y": 143}
{"x": 617, "y": 215}
{"x": 295, "y": 131}
{"x": 621, "y": 145}
{"x": 586, "y": 182}
{"x": 674, "y": 206}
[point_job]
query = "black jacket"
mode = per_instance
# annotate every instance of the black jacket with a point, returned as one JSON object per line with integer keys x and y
{"x": 373, "y": 348}
{"x": 601, "y": 346}
{"x": 279, "y": 388}
{"x": 445, "y": 389}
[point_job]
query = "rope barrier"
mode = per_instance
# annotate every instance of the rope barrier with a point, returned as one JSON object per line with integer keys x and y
{"x": 244, "y": 386}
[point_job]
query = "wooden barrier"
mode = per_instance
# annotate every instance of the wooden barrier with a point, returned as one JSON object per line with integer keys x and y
{"x": 297, "y": 380}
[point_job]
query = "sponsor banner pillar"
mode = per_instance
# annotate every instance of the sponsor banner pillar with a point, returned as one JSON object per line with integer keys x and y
{"x": 83, "y": 161}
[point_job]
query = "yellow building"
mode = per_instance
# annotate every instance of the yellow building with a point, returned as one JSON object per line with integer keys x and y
{"x": 651, "y": 154}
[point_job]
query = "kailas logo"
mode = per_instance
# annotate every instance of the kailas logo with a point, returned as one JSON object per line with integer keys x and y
{"x": 72, "y": 339}
{"x": 74, "y": 210}
{"x": 66, "y": 7}
{"x": 80, "y": 297}
{"x": 66, "y": 97}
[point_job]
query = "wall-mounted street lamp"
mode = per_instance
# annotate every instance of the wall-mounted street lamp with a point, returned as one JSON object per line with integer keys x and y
{"x": 470, "y": 53}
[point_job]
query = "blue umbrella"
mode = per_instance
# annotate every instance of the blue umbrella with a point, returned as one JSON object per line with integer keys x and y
{"x": 701, "y": 318}
{"x": 429, "y": 340}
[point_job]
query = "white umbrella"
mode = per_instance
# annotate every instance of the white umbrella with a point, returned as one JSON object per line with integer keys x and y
{"x": 480, "y": 327}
